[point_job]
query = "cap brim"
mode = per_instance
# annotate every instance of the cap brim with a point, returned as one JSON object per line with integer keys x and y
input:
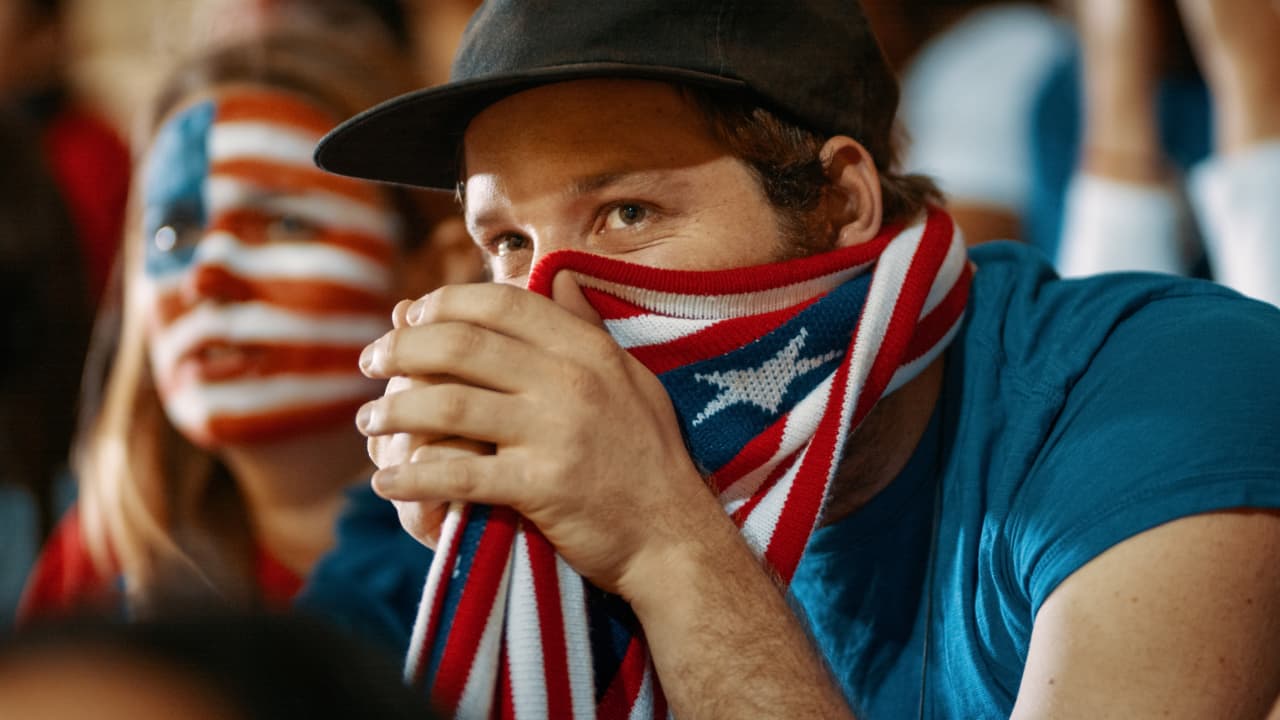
{"x": 414, "y": 139}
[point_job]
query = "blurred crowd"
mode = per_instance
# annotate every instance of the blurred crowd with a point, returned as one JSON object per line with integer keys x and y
{"x": 163, "y": 230}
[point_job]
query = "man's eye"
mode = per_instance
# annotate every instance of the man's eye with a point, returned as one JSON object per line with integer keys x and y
{"x": 625, "y": 216}
{"x": 288, "y": 228}
{"x": 508, "y": 244}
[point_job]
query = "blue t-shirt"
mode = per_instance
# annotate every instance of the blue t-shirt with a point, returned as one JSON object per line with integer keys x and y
{"x": 1074, "y": 414}
{"x": 370, "y": 582}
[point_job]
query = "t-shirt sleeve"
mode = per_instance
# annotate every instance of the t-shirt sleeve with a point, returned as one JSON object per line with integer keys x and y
{"x": 1177, "y": 414}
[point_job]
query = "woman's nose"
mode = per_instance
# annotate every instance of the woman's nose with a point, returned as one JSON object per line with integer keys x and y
{"x": 213, "y": 282}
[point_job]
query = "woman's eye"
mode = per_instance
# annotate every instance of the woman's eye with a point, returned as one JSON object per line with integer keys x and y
{"x": 625, "y": 216}
{"x": 508, "y": 244}
{"x": 290, "y": 227}
{"x": 174, "y": 237}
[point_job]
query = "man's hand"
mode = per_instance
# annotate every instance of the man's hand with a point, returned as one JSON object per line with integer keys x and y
{"x": 586, "y": 444}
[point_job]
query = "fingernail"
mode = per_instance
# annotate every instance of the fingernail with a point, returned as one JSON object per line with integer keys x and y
{"x": 364, "y": 417}
{"x": 384, "y": 481}
{"x": 400, "y": 314}
{"x": 366, "y": 359}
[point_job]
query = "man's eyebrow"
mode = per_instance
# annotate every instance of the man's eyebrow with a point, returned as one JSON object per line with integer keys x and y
{"x": 599, "y": 181}
{"x": 578, "y": 187}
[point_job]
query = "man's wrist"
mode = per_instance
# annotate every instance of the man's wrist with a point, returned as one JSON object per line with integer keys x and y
{"x": 661, "y": 573}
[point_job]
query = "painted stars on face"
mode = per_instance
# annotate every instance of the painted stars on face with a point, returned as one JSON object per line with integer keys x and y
{"x": 265, "y": 276}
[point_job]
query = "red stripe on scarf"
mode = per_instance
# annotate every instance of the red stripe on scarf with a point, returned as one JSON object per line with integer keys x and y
{"x": 723, "y": 337}
{"x": 934, "y": 326}
{"x": 804, "y": 500}
{"x": 450, "y": 560}
{"x": 757, "y": 452}
{"x": 627, "y": 682}
{"x": 546, "y": 586}
{"x": 472, "y": 616}
{"x": 611, "y": 307}
{"x": 741, "y": 514}
{"x": 715, "y": 282}
{"x": 506, "y": 698}
{"x": 929, "y": 256}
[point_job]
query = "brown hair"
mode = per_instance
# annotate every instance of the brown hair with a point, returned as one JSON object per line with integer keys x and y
{"x": 154, "y": 507}
{"x": 784, "y": 157}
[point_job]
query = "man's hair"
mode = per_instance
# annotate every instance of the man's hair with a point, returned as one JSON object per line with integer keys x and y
{"x": 784, "y": 157}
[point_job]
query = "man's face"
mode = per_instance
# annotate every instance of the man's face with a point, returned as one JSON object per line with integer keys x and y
{"x": 621, "y": 168}
{"x": 264, "y": 277}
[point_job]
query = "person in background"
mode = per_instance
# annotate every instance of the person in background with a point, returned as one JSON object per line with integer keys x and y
{"x": 968, "y": 94}
{"x": 84, "y": 153}
{"x": 218, "y": 460}
{"x": 1126, "y": 207}
{"x": 200, "y": 667}
{"x": 437, "y": 27}
{"x": 354, "y": 22}
{"x": 44, "y": 323}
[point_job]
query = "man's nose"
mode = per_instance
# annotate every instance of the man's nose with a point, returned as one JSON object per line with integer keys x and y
{"x": 545, "y": 243}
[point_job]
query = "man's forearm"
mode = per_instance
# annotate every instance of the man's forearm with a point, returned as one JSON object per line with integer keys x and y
{"x": 723, "y": 639}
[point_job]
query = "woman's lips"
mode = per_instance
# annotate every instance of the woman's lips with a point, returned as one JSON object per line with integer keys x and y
{"x": 215, "y": 361}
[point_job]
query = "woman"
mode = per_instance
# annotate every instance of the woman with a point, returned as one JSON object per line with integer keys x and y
{"x": 216, "y": 464}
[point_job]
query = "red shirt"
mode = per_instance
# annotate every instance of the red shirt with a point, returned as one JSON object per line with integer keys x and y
{"x": 91, "y": 167}
{"x": 65, "y": 579}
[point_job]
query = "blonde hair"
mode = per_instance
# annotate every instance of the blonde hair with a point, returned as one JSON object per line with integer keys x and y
{"x": 155, "y": 508}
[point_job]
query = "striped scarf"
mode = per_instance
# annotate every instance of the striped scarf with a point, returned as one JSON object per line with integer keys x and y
{"x": 770, "y": 370}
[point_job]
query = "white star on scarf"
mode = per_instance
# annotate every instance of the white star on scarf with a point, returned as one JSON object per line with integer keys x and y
{"x": 764, "y": 386}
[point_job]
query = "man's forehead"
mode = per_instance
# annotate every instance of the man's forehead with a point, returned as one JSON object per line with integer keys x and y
{"x": 585, "y": 135}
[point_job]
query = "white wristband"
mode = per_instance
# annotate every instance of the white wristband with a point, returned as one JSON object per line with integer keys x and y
{"x": 1237, "y": 201}
{"x": 1114, "y": 226}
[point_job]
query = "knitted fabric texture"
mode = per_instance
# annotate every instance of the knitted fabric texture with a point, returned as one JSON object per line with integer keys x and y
{"x": 770, "y": 370}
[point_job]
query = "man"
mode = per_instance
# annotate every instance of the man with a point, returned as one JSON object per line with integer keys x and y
{"x": 1072, "y": 512}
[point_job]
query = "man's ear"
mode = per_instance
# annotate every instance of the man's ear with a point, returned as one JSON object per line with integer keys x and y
{"x": 854, "y": 205}
{"x": 446, "y": 257}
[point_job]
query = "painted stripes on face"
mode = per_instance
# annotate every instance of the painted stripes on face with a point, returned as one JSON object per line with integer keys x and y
{"x": 265, "y": 275}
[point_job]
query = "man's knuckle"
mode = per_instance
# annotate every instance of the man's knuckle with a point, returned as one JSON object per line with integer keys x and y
{"x": 505, "y": 303}
{"x": 581, "y": 381}
{"x": 460, "y": 343}
{"x": 451, "y": 406}
{"x": 462, "y": 478}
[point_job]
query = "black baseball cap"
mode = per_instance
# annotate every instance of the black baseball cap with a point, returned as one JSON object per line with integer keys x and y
{"x": 814, "y": 61}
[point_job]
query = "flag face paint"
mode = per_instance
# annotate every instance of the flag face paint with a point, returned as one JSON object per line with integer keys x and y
{"x": 265, "y": 276}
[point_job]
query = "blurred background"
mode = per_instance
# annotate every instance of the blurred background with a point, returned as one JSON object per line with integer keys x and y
{"x": 117, "y": 50}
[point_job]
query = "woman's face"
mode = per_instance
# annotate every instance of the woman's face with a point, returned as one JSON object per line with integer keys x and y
{"x": 264, "y": 275}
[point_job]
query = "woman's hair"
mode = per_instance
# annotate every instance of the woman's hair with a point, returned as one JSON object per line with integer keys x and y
{"x": 154, "y": 507}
